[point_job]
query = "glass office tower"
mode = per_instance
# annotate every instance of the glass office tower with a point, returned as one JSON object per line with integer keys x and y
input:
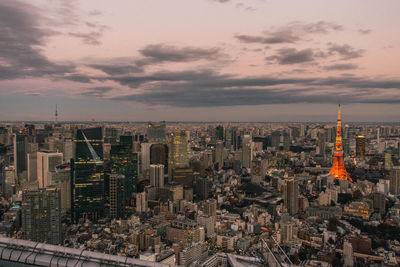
{"x": 87, "y": 172}
{"x": 125, "y": 162}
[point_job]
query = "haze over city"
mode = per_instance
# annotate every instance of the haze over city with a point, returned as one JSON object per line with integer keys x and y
{"x": 199, "y": 60}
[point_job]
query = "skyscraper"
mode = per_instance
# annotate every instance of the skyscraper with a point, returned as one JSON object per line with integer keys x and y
{"x": 124, "y": 161}
{"x": 41, "y": 216}
{"x": 291, "y": 193}
{"x": 247, "y": 151}
{"x": 219, "y": 154}
{"x": 117, "y": 195}
{"x": 159, "y": 155}
{"x": 210, "y": 207}
{"x": 157, "y": 175}
{"x": 178, "y": 150}
{"x": 360, "y": 146}
{"x": 88, "y": 175}
{"x": 219, "y": 132}
{"x": 338, "y": 169}
{"x": 20, "y": 154}
{"x": 156, "y": 132}
{"x": 141, "y": 202}
{"x": 47, "y": 162}
{"x": 394, "y": 177}
{"x": 61, "y": 178}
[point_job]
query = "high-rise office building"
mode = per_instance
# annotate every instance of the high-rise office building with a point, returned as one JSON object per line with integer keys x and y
{"x": 20, "y": 154}
{"x": 219, "y": 154}
{"x": 360, "y": 146}
{"x": 47, "y": 162}
{"x": 321, "y": 142}
{"x": 157, "y": 175}
{"x": 88, "y": 175}
{"x": 203, "y": 188}
{"x": 156, "y": 132}
{"x": 210, "y": 207}
{"x": 124, "y": 161}
{"x": 68, "y": 149}
{"x": 32, "y": 166}
{"x": 144, "y": 157}
{"x": 230, "y": 137}
{"x": 117, "y": 205}
{"x": 141, "y": 202}
{"x": 159, "y": 155}
{"x": 178, "y": 150}
{"x": 291, "y": 193}
{"x": 247, "y": 151}
{"x": 394, "y": 177}
{"x": 388, "y": 161}
{"x": 61, "y": 179}
{"x": 41, "y": 216}
{"x": 219, "y": 132}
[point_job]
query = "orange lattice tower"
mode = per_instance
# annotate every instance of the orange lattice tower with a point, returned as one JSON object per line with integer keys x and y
{"x": 338, "y": 170}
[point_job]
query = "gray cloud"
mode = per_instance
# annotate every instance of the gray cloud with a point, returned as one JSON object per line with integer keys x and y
{"x": 345, "y": 51}
{"x": 90, "y": 38}
{"x": 293, "y": 56}
{"x": 76, "y": 77}
{"x": 364, "y": 31}
{"x": 21, "y": 36}
{"x": 290, "y": 33}
{"x": 158, "y": 53}
{"x": 117, "y": 69}
{"x": 209, "y": 89}
{"x": 97, "y": 91}
{"x": 348, "y": 66}
{"x": 221, "y": 1}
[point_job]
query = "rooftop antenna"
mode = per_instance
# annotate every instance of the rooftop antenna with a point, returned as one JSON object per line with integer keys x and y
{"x": 56, "y": 115}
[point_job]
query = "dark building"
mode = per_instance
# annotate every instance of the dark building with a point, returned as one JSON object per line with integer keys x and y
{"x": 117, "y": 185}
{"x": 219, "y": 132}
{"x": 20, "y": 155}
{"x": 159, "y": 155}
{"x": 87, "y": 181}
{"x": 183, "y": 176}
{"x": 203, "y": 186}
{"x": 156, "y": 132}
{"x": 360, "y": 146}
{"x": 41, "y": 216}
{"x": 124, "y": 161}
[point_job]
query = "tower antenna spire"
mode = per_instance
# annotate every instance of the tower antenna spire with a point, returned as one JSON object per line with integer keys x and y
{"x": 338, "y": 169}
{"x": 56, "y": 115}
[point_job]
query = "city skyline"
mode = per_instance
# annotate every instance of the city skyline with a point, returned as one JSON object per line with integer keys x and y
{"x": 203, "y": 60}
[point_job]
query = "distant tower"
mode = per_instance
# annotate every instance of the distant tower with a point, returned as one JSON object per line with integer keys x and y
{"x": 291, "y": 195}
{"x": 360, "y": 146}
{"x": 56, "y": 116}
{"x": 338, "y": 170}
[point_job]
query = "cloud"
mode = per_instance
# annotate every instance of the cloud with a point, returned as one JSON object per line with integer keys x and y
{"x": 156, "y": 54}
{"x": 290, "y": 33}
{"x": 345, "y": 51}
{"x": 97, "y": 91}
{"x": 208, "y": 88}
{"x": 348, "y": 66}
{"x": 117, "y": 69}
{"x": 162, "y": 53}
{"x": 92, "y": 37}
{"x": 245, "y": 7}
{"x": 293, "y": 56}
{"x": 222, "y": 1}
{"x": 21, "y": 37}
{"x": 364, "y": 31}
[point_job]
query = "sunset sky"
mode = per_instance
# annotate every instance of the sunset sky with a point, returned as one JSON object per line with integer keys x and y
{"x": 200, "y": 60}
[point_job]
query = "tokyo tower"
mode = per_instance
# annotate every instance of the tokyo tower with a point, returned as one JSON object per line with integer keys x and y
{"x": 338, "y": 170}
